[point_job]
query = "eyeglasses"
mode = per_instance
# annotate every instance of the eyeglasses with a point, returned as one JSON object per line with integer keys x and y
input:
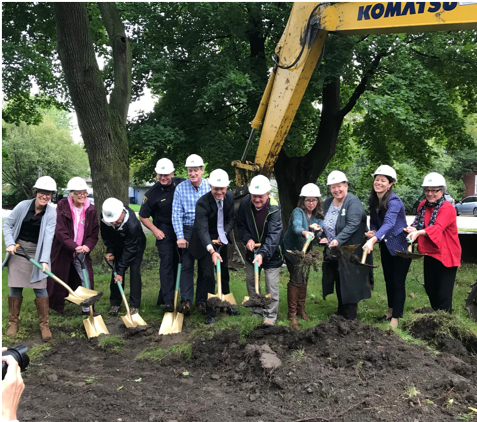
{"x": 80, "y": 193}
{"x": 311, "y": 201}
{"x": 434, "y": 191}
{"x": 44, "y": 193}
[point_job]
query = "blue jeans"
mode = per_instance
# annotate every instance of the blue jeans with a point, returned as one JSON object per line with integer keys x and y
{"x": 17, "y": 292}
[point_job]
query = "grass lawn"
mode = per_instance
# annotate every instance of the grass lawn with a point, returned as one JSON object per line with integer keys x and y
{"x": 317, "y": 308}
{"x": 135, "y": 207}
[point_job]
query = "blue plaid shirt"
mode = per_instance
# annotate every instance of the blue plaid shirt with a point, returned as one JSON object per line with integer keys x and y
{"x": 183, "y": 205}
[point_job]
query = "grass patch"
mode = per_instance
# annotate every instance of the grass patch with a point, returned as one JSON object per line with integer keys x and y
{"x": 114, "y": 343}
{"x": 412, "y": 391}
{"x": 135, "y": 207}
{"x": 37, "y": 350}
{"x": 183, "y": 350}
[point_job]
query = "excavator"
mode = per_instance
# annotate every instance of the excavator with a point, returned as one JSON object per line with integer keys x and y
{"x": 298, "y": 53}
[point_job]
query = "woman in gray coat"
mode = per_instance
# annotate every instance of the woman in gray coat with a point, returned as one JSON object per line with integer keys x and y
{"x": 32, "y": 225}
{"x": 344, "y": 224}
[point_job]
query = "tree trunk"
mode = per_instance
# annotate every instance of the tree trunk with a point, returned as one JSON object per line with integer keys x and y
{"x": 102, "y": 125}
{"x": 292, "y": 173}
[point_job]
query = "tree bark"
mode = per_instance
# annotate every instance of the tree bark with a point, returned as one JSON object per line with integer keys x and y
{"x": 102, "y": 125}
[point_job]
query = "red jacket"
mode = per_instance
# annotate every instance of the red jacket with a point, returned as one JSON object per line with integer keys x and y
{"x": 62, "y": 252}
{"x": 442, "y": 242}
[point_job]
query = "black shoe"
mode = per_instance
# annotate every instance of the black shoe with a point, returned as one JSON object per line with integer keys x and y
{"x": 168, "y": 307}
{"x": 210, "y": 320}
{"x": 382, "y": 319}
{"x": 186, "y": 307}
{"x": 201, "y": 308}
{"x": 233, "y": 312}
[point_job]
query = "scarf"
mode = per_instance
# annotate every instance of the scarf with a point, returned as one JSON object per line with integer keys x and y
{"x": 79, "y": 229}
{"x": 419, "y": 220}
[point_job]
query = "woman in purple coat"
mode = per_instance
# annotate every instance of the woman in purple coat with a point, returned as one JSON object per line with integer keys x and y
{"x": 77, "y": 230}
{"x": 388, "y": 219}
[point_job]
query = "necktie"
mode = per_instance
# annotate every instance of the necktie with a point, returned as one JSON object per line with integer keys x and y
{"x": 220, "y": 223}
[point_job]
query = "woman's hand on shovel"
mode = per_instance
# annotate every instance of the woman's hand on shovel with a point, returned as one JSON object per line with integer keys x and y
{"x": 118, "y": 278}
{"x": 12, "y": 249}
{"x": 370, "y": 243}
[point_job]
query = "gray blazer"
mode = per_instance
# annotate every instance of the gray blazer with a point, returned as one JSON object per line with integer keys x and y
{"x": 350, "y": 226}
{"x": 13, "y": 225}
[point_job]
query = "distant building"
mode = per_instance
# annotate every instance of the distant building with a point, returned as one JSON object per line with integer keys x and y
{"x": 470, "y": 182}
{"x": 137, "y": 192}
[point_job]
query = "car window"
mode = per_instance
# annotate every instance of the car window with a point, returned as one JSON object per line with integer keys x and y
{"x": 468, "y": 199}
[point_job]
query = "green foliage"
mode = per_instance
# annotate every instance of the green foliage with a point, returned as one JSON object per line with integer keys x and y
{"x": 183, "y": 349}
{"x": 48, "y": 145}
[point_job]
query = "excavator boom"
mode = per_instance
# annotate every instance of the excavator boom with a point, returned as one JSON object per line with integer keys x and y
{"x": 302, "y": 42}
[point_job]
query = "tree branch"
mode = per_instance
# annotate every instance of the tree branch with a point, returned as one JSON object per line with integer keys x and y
{"x": 359, "y": 90}
{"x": 234, "y": 113}
{"x": 122, "y": 59}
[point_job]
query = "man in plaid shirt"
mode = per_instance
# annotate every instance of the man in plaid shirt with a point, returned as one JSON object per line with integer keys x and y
{"x": 183, "y": 215}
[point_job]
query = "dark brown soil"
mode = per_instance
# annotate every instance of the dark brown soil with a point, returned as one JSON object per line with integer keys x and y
{"x": 257, "y": 300}
{"x": 91, "y": 301}
{"x": 337, "y": 371}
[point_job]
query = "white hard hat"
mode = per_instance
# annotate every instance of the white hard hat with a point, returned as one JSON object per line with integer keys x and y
{"x": 194, "y": 161}
{"x": 434, "y": 179}
{"x": 386, "y": 170}
{"x": 260, "y": 185}
{"x": 112, "y": 209}
{"x": 336, "y": 176}
{"x": 77, "y": 183}
{"x": 164, "y": 166}
{"x": 219, "y": 179}
{"x": 310, "y": 190}
{"x": 45, "y": 183}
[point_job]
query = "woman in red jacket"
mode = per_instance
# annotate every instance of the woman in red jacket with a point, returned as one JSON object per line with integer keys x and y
{"x": 77, "y": 230}
{"x": 435, "y": 227}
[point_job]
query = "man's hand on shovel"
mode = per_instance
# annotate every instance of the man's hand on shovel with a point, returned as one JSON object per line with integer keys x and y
{"x": 258, "y": 259}
{"x": 118, "y": 278}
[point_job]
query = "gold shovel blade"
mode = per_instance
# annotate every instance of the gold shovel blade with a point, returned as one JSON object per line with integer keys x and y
{"x": 229, "y": 298}
{"x": 171, "y": 323}
{"x": 81, "y": 294}
{"x": 138, "y": 320}
{"x": 128, "y": 322}
{"x": 245, "y": 299}
{"x": 95, "y": 326}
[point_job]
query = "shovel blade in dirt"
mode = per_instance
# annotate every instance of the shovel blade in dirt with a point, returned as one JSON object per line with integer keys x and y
{"x": 257, "y": 280}
{"x": 94, "y": 326}
{"x": 409, "y": 254}
{"x": 172, "y": 321}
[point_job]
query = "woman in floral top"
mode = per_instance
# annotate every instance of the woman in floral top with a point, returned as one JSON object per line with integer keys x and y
{"x": 344, "y": 224}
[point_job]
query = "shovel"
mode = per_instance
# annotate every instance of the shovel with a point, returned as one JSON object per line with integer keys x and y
{"x": 81, "y": 296}
{"x": 228, "y": 298}
{"x": 362, "y": 263}
{"x": 258, "y": 299}
{"x": 130, "y": 321}
{"x": 409, "y": 253}
{"x": 94, "y": 325}
{"x": 172, "y": 321}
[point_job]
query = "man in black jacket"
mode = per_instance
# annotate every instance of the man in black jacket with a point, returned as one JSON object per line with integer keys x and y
{"x": 259, "y": 221}
{"x": 214, "y": 220}
{"x": 124, "y": 239}
{"x": 157, "y": 203}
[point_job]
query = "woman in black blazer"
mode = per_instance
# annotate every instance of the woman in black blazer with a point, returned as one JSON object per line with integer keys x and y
{"x": 344, "y": 224}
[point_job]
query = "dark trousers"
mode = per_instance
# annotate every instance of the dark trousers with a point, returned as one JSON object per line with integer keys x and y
{"x": 206, "y": 283}
{"x": 395, "y": 270}
{"x": 297, "y": 277}
{"x": 169, "y": 260}
{"x": 439, "y": 283}
{"x": 187, "y": 274}
{"x": 135, "y": 285}
{"x": 347, "y": 310}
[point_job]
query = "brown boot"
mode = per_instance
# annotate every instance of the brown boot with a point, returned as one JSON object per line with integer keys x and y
{"x": 301, "y": 302}
{"x": 14, "y": 305}
{"x": 42, "y": 305}
{"x": 292, "y": 295}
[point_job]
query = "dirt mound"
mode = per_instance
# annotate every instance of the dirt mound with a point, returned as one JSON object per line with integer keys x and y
{"x": 444, "y": 332}
{"x": 337, "y": 371}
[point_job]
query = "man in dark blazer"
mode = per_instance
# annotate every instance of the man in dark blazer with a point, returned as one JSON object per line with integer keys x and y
{"x": 214, "y": 220}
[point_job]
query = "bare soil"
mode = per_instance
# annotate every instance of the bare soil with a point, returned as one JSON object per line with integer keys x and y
{"x": 337, "y": 371}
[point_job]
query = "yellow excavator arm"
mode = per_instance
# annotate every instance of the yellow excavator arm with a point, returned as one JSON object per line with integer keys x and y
{"x": 300, "y": 47}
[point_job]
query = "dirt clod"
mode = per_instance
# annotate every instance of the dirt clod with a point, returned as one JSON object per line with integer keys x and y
{"x": 91, "y": 301}
{"x": 257, "y": 300}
